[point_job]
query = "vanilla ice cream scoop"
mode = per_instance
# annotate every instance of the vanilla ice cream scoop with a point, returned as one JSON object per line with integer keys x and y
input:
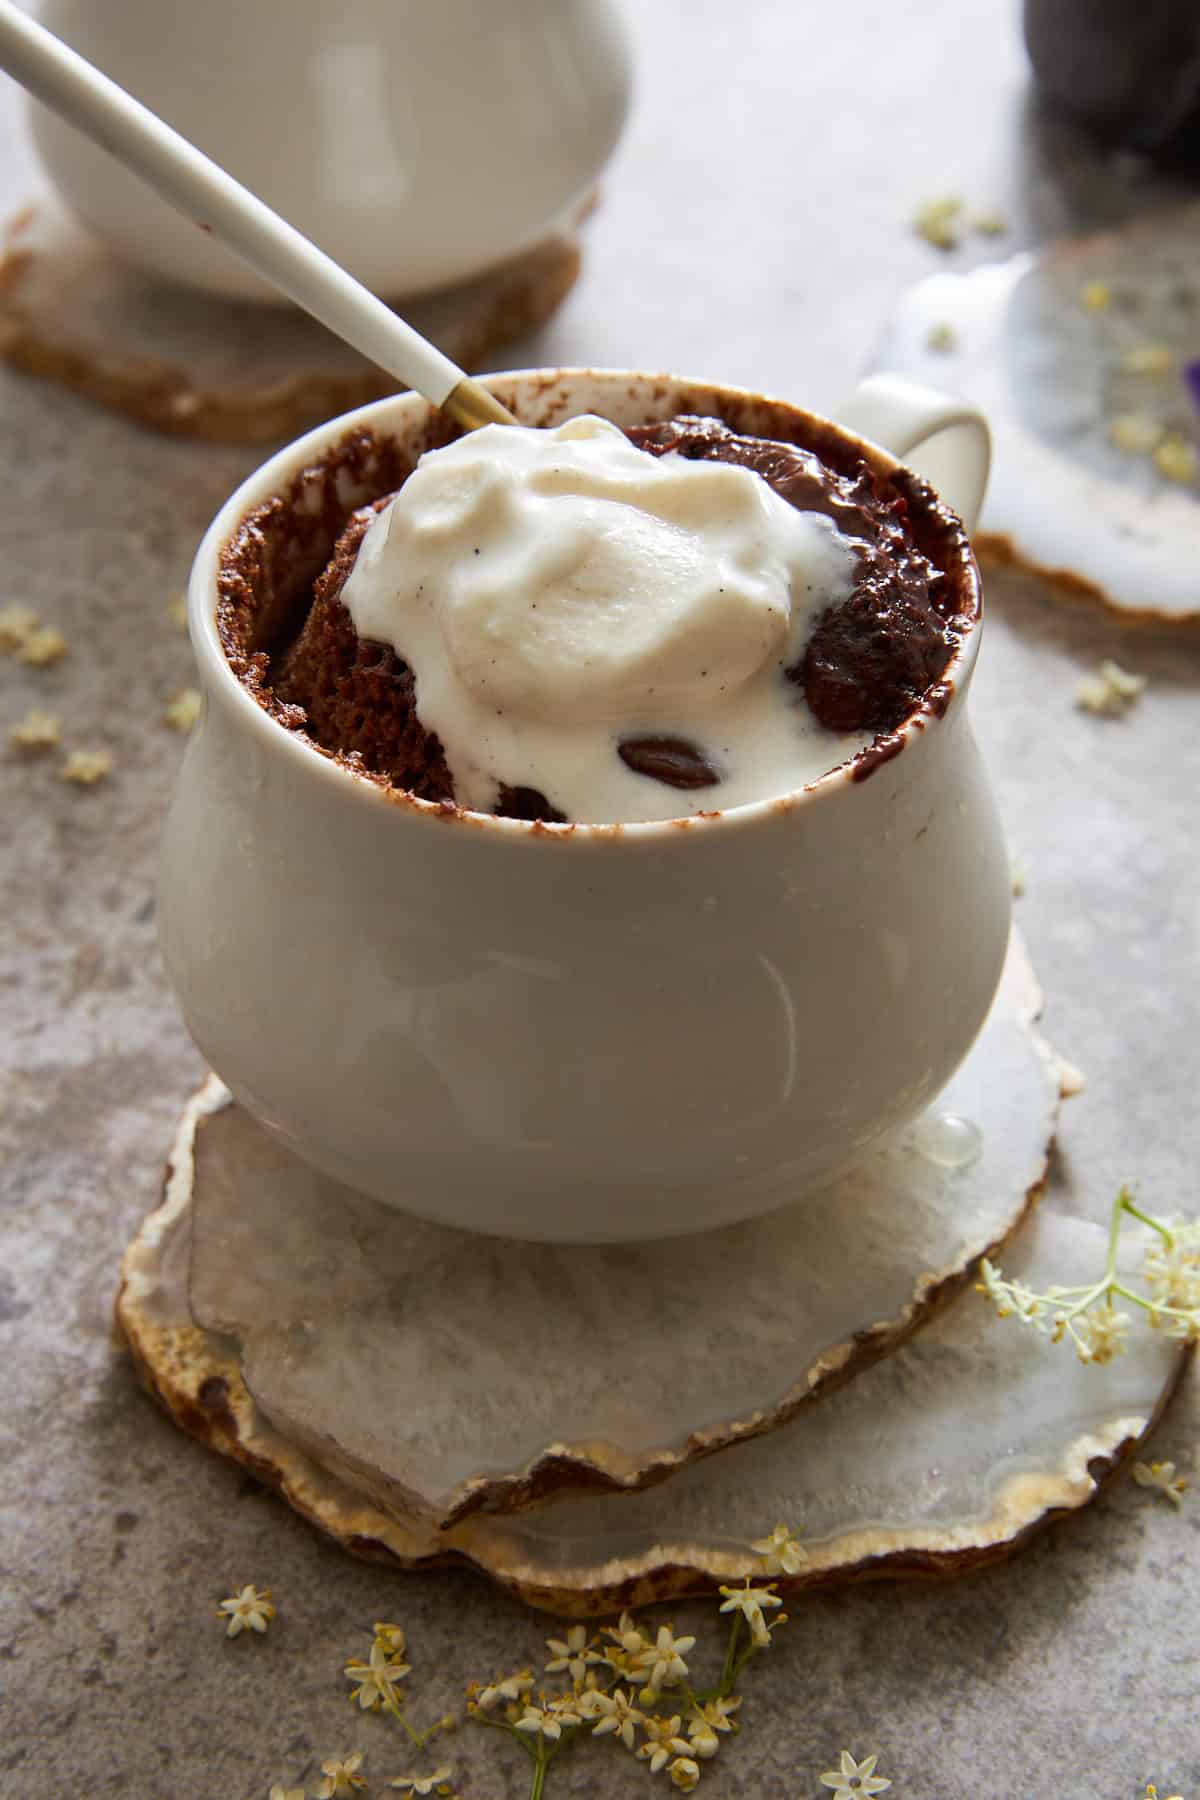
{"x": 560, "y": 593}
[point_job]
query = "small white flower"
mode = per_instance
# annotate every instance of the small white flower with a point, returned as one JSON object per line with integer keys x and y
{"x": 38, "y": 730}
{"x": 750, "y": 1601}
{"x": 1162, "y": 1476}
{"x": 662, "y": 1662}
{"x": 249, "y": 1610}
{"x": 41, "y": 647}
{"x": 341, "y": 1777}
{"x": 573, "y": 1653}
{"x": 376, "y": 1679}
{"x": 662, "y": 1741}
{"x": 390, "y": 1637}
{"x": 1136, "y": 433}
{"x": 546, "y": 1720}
{"x": 854, "y": 1779}
{"x": 511, "y": 1690}
{"x": 614, "y": 1713}
{"x": 684, "y": 1773}
{"x": 782, "y": 1551}
{"x": 17, "y": 625}
{"x": 704, "y": 1722}
{"x": 181, "y": 712}
{"x": 1173, "y": 1272}
{"x": 1100, "y": 1334}
{"x": 437, "y": 1783}
{"x": 86, "y": 767}
{"x": 1111, "y": 691}
{"x": 939, "y": 221}
{"x": 1174, "y": 457}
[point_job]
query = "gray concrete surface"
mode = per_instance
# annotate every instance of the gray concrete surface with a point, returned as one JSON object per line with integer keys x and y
{"x": 754, "y": 228}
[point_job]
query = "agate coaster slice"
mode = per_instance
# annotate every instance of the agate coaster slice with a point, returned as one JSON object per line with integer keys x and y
{"x": 195, "y": 365}
{"x": 1053, "y": 374}
{"x": 432, "y": 1375}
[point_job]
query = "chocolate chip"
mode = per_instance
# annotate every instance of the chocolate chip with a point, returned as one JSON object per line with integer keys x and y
{"x": 527, "y": 803}
{"x": 668, "y": 759}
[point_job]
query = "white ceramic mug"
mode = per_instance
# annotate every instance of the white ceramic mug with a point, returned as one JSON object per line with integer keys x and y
{"x": 582, "y": 1033}
{"x": 418, "y": 143}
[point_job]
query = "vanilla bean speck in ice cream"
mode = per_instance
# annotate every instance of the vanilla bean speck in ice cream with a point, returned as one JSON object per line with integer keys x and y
{"x": 586, "y": 624}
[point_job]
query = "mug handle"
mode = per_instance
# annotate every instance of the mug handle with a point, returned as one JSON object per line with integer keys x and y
{"x": 945, "y": 440}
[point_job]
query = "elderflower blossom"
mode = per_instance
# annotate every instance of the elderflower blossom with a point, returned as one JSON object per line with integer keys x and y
{"x": 42, "y": 647}
{"x": 662, "y": 1741}
{"x": 38, "y": 730}
{"x": 248, "y": 1610}
{"x": 854, "y": 1779}
{"x": 1110, "y": 692}
{"x": 572, "y": 1654}
{"x": 512, "y": 1690}
{"x": 663, "y": 1661}
{"x": 630, "y": 1647}
{"x": 390, "y": 1638}
{"x": 781, "y": 1551}
{"x": 1172, "y": 1270}
{"x": 341, "y": 1777}
{"x": 613, "y": 1713}
{"x": 182, "y": 711}
{"x": 17, "y": 624}
{"x": 750, "y": 1601}
{"x": 1010, "y": 1297}
{"x": 1099, "y": 1335}
{"x": 376, "y": 1679}
{"x": 548, "y": 1719}
{"x": 86, "y": 767}
{"x": 704, "y": 1722}
{"x": 437, "y": 1783}
{"x": 1162, "y": 1477}
{"x": 684, "y": 1773}
{"x": 939, "y": 221}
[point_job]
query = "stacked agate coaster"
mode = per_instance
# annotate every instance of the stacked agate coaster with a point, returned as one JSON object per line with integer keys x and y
{"x": 195, "y": 365}
{"x": 603, "y": 1426}
{"x": 1086, "y": 358}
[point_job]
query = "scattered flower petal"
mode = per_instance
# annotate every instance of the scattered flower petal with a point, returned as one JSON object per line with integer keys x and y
{"x": 437, "y": 1783}
{"x": 513, "y": 1688}
{"x": 17, "y": 625}
{"x": 1162, "y": 1477}
{"x": 182, "y": 712}
{"x": 1148, "y": 359}
{"x": 1110, "y": 692}
{"x": 249, "y": 1610}
{"x": 282, "y": 1793}
{"x": 1096, "y": 296}
{"x": 1136, "y": 433}
{"x": 939, "y": 221}
{"x": 177, "y": 611}
{"x": 1175, "y": 458}
{"x": 38, "y": 730}
{"x": 941, "y": 337}
{"x": 41, "y": 647}
{"x": 86, "y": 767}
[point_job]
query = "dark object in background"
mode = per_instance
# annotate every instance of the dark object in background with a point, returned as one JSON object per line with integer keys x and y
{"x": 1129, "y": 69}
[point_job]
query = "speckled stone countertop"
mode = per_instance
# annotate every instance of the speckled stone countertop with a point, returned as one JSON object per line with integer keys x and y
{"x": 754, "y": 228}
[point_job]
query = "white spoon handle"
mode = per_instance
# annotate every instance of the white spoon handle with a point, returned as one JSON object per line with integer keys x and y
{"x": 199, "y": 188}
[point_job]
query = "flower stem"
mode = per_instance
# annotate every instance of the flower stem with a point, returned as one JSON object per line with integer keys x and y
{"x": 731, "y": 1665}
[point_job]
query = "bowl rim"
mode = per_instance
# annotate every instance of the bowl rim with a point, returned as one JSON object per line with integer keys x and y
{"x": 272, "y": 477}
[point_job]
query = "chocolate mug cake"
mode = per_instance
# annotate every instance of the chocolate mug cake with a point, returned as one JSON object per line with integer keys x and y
{"x": 865, "y": 642}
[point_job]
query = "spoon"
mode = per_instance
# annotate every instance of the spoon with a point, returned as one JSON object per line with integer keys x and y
{"x": 207, "y": 194}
